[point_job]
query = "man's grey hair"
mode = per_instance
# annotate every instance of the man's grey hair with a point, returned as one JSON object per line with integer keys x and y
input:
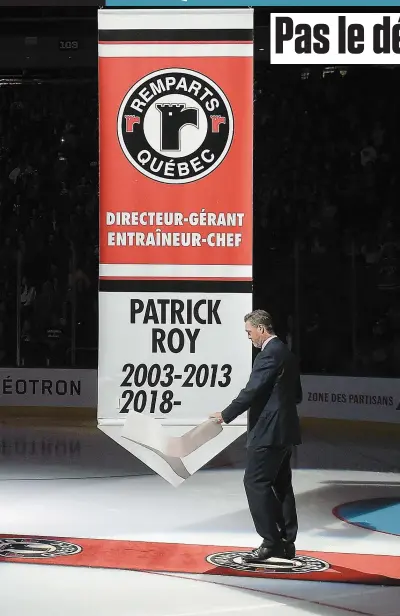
{"x": 260, "y": 317}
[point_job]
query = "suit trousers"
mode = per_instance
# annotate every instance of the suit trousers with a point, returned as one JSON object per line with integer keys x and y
{"x": 268, "y": 485}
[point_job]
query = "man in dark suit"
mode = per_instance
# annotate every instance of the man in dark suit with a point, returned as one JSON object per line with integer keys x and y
{"x": 271, "y": 396}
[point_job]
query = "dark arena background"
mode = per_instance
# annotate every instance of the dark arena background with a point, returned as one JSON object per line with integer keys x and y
{"x": 326, "y": 266}
{"x": 325, "y": 201}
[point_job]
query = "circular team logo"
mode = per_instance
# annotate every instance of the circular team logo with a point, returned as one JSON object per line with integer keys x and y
{"x": 300, "y": 564}
{"x": 175, "y": 126}
{"x": 36, "y": 548}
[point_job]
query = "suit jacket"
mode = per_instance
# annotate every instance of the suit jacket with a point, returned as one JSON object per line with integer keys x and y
{"x": 271, "y": 395}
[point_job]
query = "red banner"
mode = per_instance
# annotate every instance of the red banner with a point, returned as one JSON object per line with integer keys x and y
{"x": 176, "y": 142}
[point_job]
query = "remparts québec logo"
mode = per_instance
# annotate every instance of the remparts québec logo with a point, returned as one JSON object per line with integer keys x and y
{"x": 15, "y": 547}
{"x": 300, "y": 564}
{"x": 175, "y": 126}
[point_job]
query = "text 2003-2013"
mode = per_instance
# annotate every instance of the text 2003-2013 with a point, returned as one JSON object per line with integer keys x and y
{"x": 164, "y": 376}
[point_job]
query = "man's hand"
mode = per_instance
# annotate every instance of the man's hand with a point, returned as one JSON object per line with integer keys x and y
{"x": 217, "y": 417}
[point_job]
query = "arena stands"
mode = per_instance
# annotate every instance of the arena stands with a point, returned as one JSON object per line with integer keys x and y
{"x": 49, "y": 222}
{"x": 326, "y": 218}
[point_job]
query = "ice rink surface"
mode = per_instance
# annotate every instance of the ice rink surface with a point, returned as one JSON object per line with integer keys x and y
{"x": 76, "y": 486}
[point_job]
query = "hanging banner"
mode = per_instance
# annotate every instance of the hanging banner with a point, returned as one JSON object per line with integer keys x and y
{"x": 176, "y": 150}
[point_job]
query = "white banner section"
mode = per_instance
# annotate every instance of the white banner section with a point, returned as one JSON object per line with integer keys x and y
{"x": 335, "y": 38}
{"x": 175, "y": 361}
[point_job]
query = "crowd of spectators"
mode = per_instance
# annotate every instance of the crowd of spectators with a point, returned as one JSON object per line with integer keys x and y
{"x": 326, "y": 221}
{"x": 48, "y": 221}
{"x": 327, "y": 216}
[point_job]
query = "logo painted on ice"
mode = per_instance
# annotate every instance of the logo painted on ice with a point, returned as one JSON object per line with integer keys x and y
{"x": 175, "y": 126}
{"x": 300, "y": 564}
{"x": 11, "y": 547}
